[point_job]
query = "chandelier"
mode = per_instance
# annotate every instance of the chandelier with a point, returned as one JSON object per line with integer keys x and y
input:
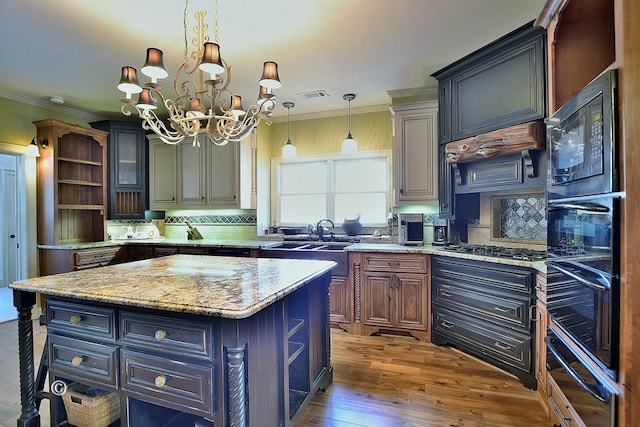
{"x": 202, "y": 104}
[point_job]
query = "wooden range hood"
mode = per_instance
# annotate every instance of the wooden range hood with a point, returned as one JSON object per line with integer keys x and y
{"x": 517, "y": 139}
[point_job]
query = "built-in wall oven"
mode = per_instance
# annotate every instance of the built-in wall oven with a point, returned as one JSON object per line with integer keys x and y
{"x": 583, "y": 215}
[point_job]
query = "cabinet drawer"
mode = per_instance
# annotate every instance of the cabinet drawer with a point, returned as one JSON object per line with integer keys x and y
{"x": 505, "y": 346}
{"x": 504, "y": 309}
{"x": 168, "y": 335}
{"x": 82, "y": 360}
{"x": 486, "y": 275}
{"x": 168, "y": 381}
{"x": 88, "y": 258}
{"x": 80, "y": 320}
{"x": 396, "y": 263}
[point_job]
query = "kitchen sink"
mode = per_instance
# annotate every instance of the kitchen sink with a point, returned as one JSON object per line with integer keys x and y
{"x": 330, "y": 251}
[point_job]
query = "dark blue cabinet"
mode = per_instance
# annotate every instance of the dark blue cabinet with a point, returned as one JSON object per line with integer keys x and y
{"x": 500, "y": 85}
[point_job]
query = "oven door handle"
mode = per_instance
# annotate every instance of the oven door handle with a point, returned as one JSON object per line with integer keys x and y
{"x": 598, "y": 391}
{"x": 602, "y": 285}
{"x": 590, "y": 207}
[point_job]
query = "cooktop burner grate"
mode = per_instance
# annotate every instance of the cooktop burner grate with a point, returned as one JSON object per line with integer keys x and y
{"x": 499, "y": 252}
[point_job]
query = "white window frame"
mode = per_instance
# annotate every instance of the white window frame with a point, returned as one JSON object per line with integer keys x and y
{"x": 330, "y": 159}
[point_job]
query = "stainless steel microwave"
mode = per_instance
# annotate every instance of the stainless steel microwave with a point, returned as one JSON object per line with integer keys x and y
{"x": 410, "y": 229}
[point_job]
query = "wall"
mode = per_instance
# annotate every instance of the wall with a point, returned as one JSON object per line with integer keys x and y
{"x": 323, "y": 135}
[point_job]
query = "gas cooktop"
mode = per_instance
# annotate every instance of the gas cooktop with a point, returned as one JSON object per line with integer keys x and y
{"x": 498, "y": 252}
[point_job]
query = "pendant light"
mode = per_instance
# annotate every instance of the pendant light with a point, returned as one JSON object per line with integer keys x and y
{"x": 349, "y": 145}
{"x": 289, "y": 150}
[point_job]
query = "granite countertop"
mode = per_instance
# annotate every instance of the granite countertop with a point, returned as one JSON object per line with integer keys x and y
{"x": 382, "y": 246}
{"x": 211, "y": 243}
{"x": 226, "y": 287}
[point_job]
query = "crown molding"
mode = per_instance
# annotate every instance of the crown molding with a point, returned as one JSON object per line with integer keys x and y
{"x": 417, "y": 91}
{"x": 89, "y": 117}
{"x": 333, "y": 113}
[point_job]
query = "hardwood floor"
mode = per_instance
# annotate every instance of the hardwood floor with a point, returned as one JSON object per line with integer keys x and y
{"x": 378, "y": 381}
{"x": 398, "y": 381}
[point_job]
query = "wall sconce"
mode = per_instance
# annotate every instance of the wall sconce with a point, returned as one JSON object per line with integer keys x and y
{"x": 32, "y": 149}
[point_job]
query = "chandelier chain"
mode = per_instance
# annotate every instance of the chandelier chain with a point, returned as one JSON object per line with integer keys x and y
{"x": 185, "y": 23}
{"x": 215, "y": 31}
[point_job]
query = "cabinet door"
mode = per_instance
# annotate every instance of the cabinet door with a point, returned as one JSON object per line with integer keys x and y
{"x": 222, "y": 175}
{"x": 411, "y": 300}
{"x": 191, "y": 174}
{"x": 416, "y": 151}
{"x": 445, "y": 186}
{"x": 162, "y": 175}
{"x": 377, "y": 304}
{"x": 500, "y": 85}
{"x": 339, "y": 300}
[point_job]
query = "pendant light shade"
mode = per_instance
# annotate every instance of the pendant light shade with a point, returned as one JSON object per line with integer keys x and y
{"x": 349, "y": 145}
{"x": 289, "y": 150}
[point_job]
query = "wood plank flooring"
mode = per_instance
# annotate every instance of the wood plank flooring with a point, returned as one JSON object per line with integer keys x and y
{"x": 398, "y": 381}
{"x": 384, "y": 381}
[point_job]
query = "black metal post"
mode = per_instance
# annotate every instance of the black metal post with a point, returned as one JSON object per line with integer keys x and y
{"x": 24, "y": 301}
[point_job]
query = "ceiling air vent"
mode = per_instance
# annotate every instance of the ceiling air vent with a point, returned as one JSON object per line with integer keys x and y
{"x": 313, "y": 94}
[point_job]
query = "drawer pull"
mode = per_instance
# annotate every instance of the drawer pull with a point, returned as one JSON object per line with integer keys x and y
{"x": 77, "y": 361}
{"x": 160, "y": 334}
{"x": 393, "y": 264}
{"x": 502, "y": 310}
{"x": 160, "y": 381}
{"x": 446, "y": 294}
{"x": 502, "y": 346}
{"x": 447, "y": 324}
{"x": 75, "y": 319}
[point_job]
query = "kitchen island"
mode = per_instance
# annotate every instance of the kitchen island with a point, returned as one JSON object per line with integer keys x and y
{"x": 197, "y": 340}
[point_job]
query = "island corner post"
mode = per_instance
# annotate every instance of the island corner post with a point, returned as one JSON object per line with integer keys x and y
{"x": 30, "y": 416}
{"x": 263, "y": 362}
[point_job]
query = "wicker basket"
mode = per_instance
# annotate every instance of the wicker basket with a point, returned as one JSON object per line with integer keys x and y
{"x": 90, "y": 411}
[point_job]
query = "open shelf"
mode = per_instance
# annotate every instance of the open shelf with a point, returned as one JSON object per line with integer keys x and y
{"x": 294, "y": 326}
{"x": 76, "y": 182}
{"x": 295, "y": 349}
{"x": 79, "y": 161}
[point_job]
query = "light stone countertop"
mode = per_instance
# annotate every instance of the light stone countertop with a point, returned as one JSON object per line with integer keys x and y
{"x": 228, "y": 287}
{"x": 211, "y": 243}
{"x": 257, "y": 244}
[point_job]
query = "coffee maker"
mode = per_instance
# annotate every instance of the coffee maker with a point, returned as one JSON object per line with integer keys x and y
{"x": 440, "y": 232}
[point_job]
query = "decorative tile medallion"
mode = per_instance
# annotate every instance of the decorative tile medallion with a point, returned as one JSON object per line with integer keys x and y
{"x": 519, "y": 218}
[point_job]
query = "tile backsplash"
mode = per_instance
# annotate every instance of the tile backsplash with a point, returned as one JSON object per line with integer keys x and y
{"x": 514, "y": 220}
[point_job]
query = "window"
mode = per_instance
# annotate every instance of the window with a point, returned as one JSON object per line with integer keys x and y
{"x": 308, "y": 189}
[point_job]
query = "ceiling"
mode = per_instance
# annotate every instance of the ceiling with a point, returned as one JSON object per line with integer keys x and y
{"x": 75, "y": 48}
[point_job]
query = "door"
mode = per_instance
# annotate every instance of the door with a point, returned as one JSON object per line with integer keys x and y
{"x": 9, "y": 226}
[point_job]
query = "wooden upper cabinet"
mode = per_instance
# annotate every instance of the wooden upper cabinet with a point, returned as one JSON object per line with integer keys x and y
{"x": 72, "y": 183}
{"x": 581, "y": 37}
{"x": 415, "y": 152}
{"x": 128, "y": 163}
{"x": 500, "y": 85}
{"x": 206, "y": 177}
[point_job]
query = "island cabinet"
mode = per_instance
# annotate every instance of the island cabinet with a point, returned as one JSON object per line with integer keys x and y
{"x": 485, "y": 309}
{"x": 202, "y": 177}
{"x": 394, "y": 293}
{"x": 128, "y": 160}
{"x": 415, "y": 152}
{"x": 250, "y": 349}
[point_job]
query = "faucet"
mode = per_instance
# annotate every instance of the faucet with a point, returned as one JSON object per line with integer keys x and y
{"x": 322, "y": 229}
